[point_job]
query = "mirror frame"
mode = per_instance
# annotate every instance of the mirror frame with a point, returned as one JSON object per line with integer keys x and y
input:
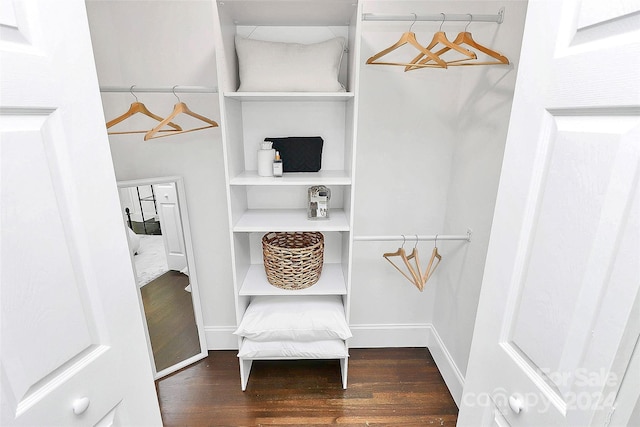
{"x": 193, "y": 280}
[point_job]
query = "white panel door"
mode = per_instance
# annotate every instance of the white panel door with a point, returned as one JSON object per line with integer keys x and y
{"x": 73, "y": 349}
{"x": 558, "y": 316}
{"x": 171, "y": 224}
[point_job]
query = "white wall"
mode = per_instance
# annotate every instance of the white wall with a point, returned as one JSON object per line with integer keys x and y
{"x": 429, "y": 153}
{"x": 402, "y": 173}
{"x": 481, "y": 123}
{"x": 429, "y": 157}
{"x": 162, "y": 44}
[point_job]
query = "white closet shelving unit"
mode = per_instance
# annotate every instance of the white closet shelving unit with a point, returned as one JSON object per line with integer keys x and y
{"x": 258, "y": 205}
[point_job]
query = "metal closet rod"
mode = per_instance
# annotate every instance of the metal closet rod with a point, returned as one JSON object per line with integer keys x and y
{"x": 465, "y": 17}
{"x": 412, "y": 237}
{"x": 163, "y": 89}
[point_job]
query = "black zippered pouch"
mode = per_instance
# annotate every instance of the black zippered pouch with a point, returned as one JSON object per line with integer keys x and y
{"x": 299, "y": 153}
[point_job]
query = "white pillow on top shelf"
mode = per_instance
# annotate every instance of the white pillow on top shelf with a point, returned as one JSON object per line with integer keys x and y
{"x": 266, "y": 66}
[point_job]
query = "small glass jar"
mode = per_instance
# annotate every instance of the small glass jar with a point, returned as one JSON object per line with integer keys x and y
{"x": 319, "y": 197}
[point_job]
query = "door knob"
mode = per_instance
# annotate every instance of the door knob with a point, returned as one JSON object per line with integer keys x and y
{"x": 516, "y": 404}
{"x": 80, "y": 405}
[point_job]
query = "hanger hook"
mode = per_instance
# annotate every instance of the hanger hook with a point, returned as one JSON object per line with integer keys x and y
{"x": 415, "y": 18}
{"x": 435, "y": 243}
{"x": 134, "y": 95}
{"x": 404, "y": 240}
{"x": 444, "y": 18}
{"x": 470, "y": 19}
{"x": 173, "y": 89}
{"x": 416, "y": 245}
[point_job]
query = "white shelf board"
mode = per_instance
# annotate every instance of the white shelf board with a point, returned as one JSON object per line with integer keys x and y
{"x": 265, "y": 220}
{"x": 296, "y": 13}
{"x": 289, "y": 96}
{"x": 294, "y": 178}
{"x": 331, "y": 282}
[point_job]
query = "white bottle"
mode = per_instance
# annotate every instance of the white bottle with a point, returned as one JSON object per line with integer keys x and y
{"x": 266, "y": 154}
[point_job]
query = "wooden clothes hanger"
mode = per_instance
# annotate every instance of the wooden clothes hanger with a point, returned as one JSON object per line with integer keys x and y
{"x": 439, "y": 38}
{"x": 415, "y": 279}
{"x": 138, "y": 107}
{"x": 179, "y": 108}
{"x": 466, "y": 38}
{"x": 418, "y": 271}
{"x": 431, "y": 267}
{"x": 415, "y": 275}
{"x": 410, "y": 38}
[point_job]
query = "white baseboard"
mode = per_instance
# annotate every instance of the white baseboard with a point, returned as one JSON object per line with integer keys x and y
{"x": 389, "y": 335}
{"x": 220, "y": 338}
{"x": 446, "y": 365}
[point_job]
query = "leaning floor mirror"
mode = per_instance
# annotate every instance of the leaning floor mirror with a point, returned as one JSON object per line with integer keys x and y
{"x": 155, "y": 214}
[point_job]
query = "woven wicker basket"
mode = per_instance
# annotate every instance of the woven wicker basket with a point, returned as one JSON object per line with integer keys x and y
{"x": 293, "y": 260}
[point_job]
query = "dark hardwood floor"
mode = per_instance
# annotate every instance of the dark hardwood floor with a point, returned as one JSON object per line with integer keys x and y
{"x": 170, "y": 319}
{"x": 386, "y": 387}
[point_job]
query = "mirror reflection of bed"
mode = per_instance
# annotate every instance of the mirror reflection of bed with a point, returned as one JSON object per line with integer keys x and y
{"x": 159, "y": 252}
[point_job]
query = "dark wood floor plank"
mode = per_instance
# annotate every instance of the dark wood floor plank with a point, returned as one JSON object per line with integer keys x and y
{"x": 386, "y": 387}
{"x": 170, "y": 318}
